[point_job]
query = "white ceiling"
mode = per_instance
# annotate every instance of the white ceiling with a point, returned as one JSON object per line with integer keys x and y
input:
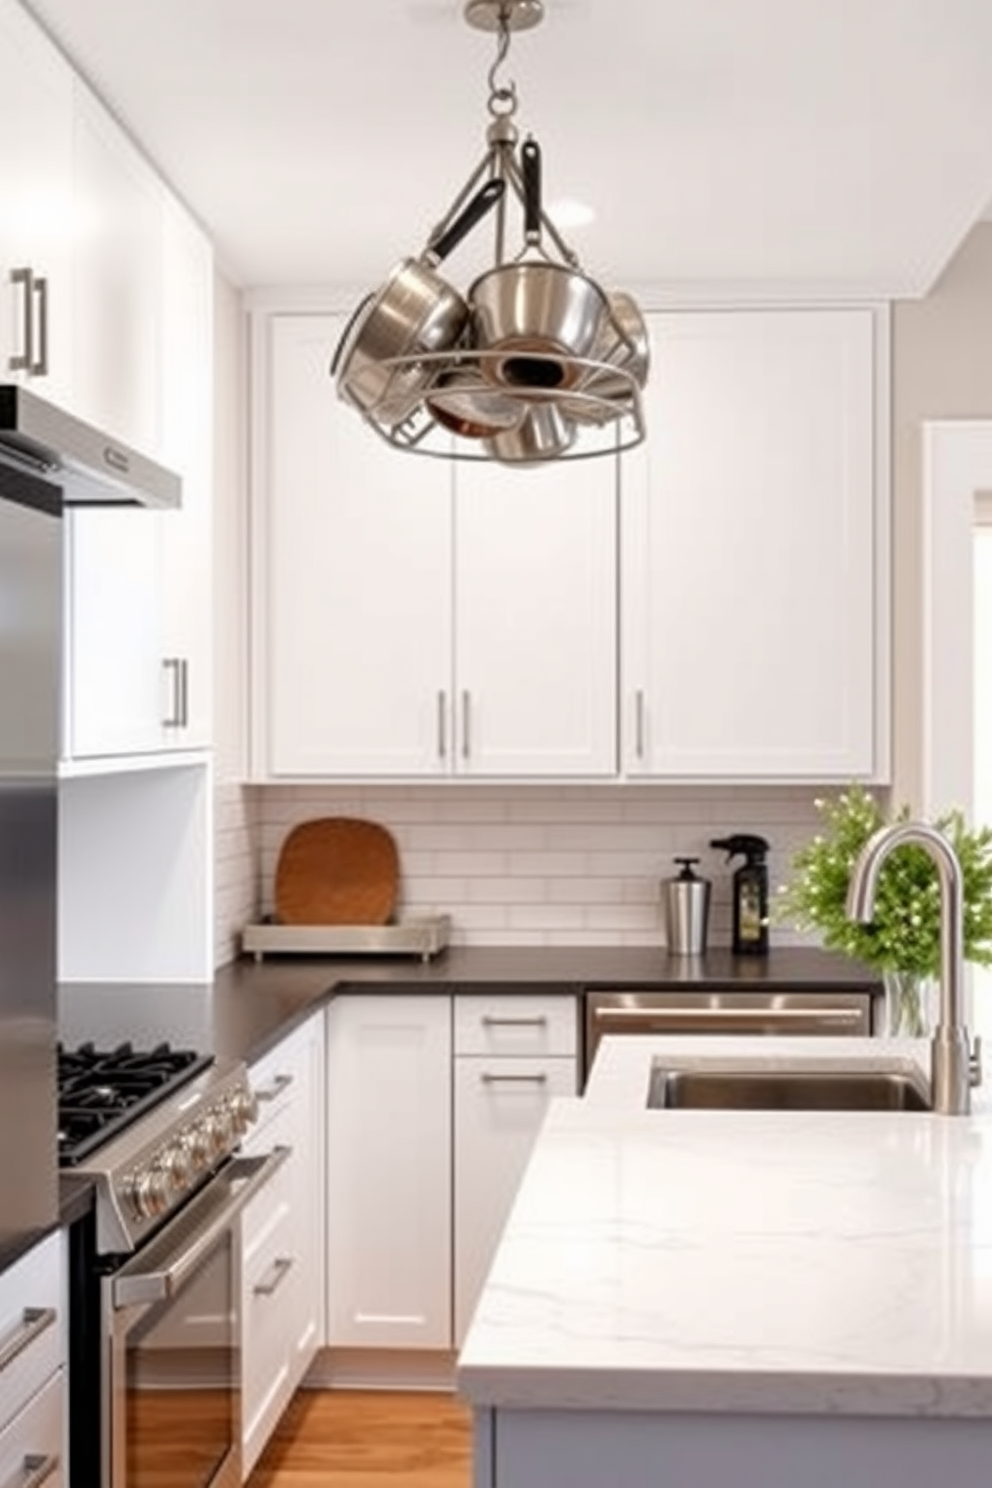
{"x": 831, "y": 145}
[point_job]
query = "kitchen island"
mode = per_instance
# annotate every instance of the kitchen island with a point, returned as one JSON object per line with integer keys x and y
{"x": 765, "y": 1299}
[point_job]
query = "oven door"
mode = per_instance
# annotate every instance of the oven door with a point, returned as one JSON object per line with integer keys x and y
{"x": 173, "y": 1366}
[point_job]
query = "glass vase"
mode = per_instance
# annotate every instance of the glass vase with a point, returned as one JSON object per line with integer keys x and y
{"x": 908, "y": 1004}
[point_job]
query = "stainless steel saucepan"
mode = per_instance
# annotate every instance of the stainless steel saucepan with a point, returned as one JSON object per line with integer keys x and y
{"x": 415, "y": 311}
{"x": 622, "y": 343}
{"x": 537, "y": 313}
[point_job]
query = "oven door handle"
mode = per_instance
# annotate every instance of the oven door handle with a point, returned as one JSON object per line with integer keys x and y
{"x": 133, "y": 1288}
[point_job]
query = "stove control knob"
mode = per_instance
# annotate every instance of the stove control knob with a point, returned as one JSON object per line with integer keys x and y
{"x": 177, "y": 1162}
{"x": 151, "y": 1192}
{"x": 244, "y": 1110}
{"x": 196, "y": 1143}
{"x": 220, "y": 1124}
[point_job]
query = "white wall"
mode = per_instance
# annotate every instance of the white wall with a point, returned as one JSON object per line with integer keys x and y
{"x": 942, "y": 368}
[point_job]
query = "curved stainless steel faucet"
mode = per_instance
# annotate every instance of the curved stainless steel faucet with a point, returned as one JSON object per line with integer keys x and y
{"x": 953, "y": 1067}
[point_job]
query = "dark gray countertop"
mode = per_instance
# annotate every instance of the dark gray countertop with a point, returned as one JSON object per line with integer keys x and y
{"x": 251, "y": 1005}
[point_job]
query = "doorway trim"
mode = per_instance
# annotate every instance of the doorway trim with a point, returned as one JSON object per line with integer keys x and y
{"x": 957, "y": 466}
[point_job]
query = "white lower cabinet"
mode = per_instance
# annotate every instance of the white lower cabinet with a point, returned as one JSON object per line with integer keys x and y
{"x": 389, "y": 1172}
{"x": 499, "y": 1107}
{"x": 282, "y": 1236}
{"x": 32, "y": 1368}
{"x": 513, "y": 1054}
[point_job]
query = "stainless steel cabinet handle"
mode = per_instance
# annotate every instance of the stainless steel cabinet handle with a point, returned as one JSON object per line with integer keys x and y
{"x": 279, "y": 1270}
{"x": 279, "y": 1084}
{"x": 442, "y": 725}
{"x": 490, "y": 1021}
{"x": 466, "y": 724}
{"x": 39, "y": 364}
{"x": 34, "y": 1322}
{"x": 535, "y": 1079}
{"x": 24, "y": 359}
{"x": 37, "y": 1470}
{"x": 639, "y": 724}
{"x": 184, "y": 691}
{"x": 173, "y": 715}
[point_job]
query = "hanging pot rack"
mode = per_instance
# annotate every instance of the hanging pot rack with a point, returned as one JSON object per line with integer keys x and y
{"x": 535, "y": 362}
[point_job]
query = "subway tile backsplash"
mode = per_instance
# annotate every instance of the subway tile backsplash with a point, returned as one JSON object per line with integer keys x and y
{"x": 522, "y": 865}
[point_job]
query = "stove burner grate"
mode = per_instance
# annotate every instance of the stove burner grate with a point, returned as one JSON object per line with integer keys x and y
{"x": 103, "y": 1091}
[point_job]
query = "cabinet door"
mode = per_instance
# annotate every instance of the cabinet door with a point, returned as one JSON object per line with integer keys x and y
{"x": 389, "y": 1172}
{"x": 36, "y": 220}
{"x": 354, "y": 555}
{"x": 499, "y": 1107}
{"x": 118, "y": 690}
{"x": 750, "y": 549}
{"x": 117, "y": 276}
{"x": 187, "y": 447}
{"x": 535, "y": 619}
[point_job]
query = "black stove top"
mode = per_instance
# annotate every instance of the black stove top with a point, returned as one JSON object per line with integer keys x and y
{"x": 101, "y": 1091}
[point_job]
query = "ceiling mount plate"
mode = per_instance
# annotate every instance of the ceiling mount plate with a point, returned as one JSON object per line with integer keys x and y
{"x": 520, "y": 15}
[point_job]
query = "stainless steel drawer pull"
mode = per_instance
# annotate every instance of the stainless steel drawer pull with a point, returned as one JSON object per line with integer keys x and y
{"x": 173, "y": 714}
{"x": 39, "y": 364}
{"x": 466, "y": 725}
{"x": 279, "y": 1084}
{"x": 23, "y": 361}
{"x": 639, "y": 723}
{"x": 535, "y": 1079}
{"x": 37, "y": 1470}
{"x": 34, "y": 1322}
{"x": 279, "y": 1270}
{"x": 442, "y": 725}
{"x": 492, "y": 1022}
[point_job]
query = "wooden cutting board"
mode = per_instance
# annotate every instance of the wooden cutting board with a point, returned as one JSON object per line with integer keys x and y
{"x": 337, "y": 870}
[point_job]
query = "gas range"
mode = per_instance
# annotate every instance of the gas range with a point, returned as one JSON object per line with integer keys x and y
{"x": 149, "y": 1127}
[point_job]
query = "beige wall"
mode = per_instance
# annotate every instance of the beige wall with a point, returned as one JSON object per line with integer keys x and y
{"x": 942, "y": 368}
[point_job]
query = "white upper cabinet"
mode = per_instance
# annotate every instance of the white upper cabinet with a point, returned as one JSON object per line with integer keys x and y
{"x": 36, "y": 209}
{"x": 420, "y": 617}
{"x": 117, "y": 278}
{"x": 754, "y": 551}
{"x": 535, "y": 619}
{"x": 353, "y": 564}
{"x": 187, "y": 399}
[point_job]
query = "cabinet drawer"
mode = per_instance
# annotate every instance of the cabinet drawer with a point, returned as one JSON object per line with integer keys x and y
{"x": 516, "y": 1025}
{"x": 31, "y": 1325}
{"x": 277, "y": 1079}
{"x": 34, "y": 1438}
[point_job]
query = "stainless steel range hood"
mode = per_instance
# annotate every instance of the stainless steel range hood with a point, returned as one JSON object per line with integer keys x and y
{"x": 90, "y": 468}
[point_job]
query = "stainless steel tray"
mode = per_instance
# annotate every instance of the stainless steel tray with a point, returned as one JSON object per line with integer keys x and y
{"x": 422, "y": 937}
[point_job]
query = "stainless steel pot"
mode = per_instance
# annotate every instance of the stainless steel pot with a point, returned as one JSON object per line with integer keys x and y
{"x": 543, "y": 433}
{"x": 537, "y": 313}
{"x": 416, "y": 310}
{"x": 622, "y": 343}
{"x": 466, "y": 404}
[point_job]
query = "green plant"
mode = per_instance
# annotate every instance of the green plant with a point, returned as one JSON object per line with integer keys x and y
{"x": 905, "y": 933}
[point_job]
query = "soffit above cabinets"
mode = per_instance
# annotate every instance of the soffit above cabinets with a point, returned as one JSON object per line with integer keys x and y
{"x": 727, "y": 146}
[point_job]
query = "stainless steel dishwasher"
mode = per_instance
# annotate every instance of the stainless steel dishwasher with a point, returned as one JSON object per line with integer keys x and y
{"x": 821, "y": 1013}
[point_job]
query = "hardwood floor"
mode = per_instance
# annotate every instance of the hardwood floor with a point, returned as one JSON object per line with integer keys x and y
{"x": 368, "y": 1439}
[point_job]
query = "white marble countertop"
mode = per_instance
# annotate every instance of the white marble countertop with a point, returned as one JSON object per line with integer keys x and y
{"x": 743, "y": 1261}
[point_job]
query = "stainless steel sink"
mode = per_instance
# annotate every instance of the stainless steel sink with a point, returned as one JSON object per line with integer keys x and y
{"x": 788, "y": 1090}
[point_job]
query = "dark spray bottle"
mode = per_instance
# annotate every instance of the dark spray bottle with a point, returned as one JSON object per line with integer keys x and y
{"x": 750, "y": 891}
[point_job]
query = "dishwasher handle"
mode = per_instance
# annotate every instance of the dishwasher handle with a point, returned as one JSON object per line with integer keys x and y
{"x": 715, "y": 1019}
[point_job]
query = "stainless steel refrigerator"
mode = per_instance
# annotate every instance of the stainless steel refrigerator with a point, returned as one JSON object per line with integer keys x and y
{"x": 49, "y": 462}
